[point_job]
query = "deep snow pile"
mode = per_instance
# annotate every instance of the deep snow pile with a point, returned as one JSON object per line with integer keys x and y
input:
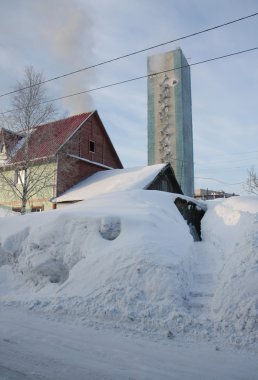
{"x": 67, "y": 265}
{"x": 231, "y": 228}
{"x": 128, "y": 258}
{"x": 6, "y": 212}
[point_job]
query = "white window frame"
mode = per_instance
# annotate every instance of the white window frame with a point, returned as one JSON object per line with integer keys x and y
{"x": 2, "y": 147}
{"x": 19, "y": 176}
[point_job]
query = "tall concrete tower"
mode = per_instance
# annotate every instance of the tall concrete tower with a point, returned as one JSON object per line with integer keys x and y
{"x": 170, "y": 136}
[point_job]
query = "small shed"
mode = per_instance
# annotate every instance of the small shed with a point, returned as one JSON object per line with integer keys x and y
{"x": 154, "y": 177}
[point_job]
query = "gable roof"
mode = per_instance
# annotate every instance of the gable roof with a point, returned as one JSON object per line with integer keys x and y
{"x": 9, "y": 139}
{"x": 46, "y": 139}
{"x": 110, "y": 181}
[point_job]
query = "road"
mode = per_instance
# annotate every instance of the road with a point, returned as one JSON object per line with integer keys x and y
{"x": 33, "y": 347}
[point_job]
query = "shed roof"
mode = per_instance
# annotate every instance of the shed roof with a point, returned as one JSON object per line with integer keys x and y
{"x": 109, "y": 181}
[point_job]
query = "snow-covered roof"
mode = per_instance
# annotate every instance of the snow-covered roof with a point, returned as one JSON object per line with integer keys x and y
{"x": 57, "y": 131}
{"x": 109, "y": 181}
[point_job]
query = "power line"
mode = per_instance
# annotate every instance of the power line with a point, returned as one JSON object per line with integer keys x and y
{"x": 136, "y": 78}
{"x": 221, "y": 162}
{"x": 237, "y": 154}
{"x": 224, "y": 169}
{"x": 231, "y": 154}
{"x": 235, "y": 167}
{"x": 217, "y": 180}
{"x": 217, "y": 163}
{"x": 132, "y": 53}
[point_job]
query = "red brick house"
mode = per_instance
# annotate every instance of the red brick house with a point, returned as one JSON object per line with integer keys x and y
{"x": 76, "y": 147}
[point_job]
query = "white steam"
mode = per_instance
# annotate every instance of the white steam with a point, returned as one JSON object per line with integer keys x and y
{"x": 67, "y": 30}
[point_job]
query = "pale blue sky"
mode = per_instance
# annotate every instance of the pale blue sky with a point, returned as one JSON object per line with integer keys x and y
{"x": 58, "y": 36}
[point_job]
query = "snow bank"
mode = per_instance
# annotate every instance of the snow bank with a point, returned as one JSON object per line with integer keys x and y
{"x": 6, "y": 212}
{"x": 116, "y": 257}
{"x": 127, "y": 258}
{"x": 231, "y": 227}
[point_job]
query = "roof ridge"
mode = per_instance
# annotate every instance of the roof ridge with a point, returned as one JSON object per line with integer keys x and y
{"x": 10, "y": 131}
{"x": 62, "y": 130}
{"x": 66, "y": 118}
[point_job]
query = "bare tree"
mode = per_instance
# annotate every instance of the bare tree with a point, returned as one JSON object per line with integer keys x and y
{"x": 251, "y": 184}
{"x": 30, "y": 109}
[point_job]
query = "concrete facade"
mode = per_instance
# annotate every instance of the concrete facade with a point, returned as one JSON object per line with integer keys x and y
{"x": 170, "y": 137}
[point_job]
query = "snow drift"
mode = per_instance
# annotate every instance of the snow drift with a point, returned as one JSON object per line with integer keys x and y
{"x": 6, "y": 212}
{"x": 231, "y": 227}
{"x": 128, "y": 258}
{"x": 66, "y": 263}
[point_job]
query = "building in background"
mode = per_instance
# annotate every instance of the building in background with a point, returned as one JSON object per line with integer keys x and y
{"x": 61, "y": 154}
{"x": 206, "y": 194}
{"x": 170, "y": 137}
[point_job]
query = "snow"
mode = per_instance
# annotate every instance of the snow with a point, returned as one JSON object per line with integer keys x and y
{"x": 234, "y": 237}
{"x": 36, "y": 348}
{"x": 125, "y": 261}
{"x": 63, "y": 254}
{"x": 112, "y": 181}
{"x": 6, "y": 212}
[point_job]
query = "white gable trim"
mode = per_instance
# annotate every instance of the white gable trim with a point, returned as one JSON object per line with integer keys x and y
{"x": 89, "y": 161}
{"x": 61, "y": 146}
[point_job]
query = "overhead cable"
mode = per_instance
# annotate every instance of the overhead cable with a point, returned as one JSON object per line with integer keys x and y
{"x": 132, "y": 53}
{"x": 136, "y": 78}
{"x": 217, "y": 180}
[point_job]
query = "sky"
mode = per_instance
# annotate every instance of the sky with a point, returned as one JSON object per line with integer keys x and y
{"x": 60, "y": 36}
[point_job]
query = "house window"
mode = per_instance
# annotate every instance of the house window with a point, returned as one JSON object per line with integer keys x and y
{"x": 19, "y": 177}
{"x": 92, "y": 146}
{"x": 16, "y": 209}
{"x": 163, "y": 185}
{"x": 37, "y": 208}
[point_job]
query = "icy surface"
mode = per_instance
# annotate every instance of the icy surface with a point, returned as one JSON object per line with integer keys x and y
{"x": 36, "y": 348}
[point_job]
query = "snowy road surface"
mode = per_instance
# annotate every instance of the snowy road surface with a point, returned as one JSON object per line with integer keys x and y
{"x": 33, "y": 347}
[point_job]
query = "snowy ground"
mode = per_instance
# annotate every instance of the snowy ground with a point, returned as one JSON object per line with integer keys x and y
{"x": 115, "y": 287}
{"x": 34, "y": 348}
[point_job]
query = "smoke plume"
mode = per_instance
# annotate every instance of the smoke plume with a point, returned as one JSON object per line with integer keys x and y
{"x": 66, "y": 28}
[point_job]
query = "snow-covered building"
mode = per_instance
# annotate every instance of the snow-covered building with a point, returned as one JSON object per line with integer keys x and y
{"x": 154, "y": 177}
{"x": 159, "y": 177}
